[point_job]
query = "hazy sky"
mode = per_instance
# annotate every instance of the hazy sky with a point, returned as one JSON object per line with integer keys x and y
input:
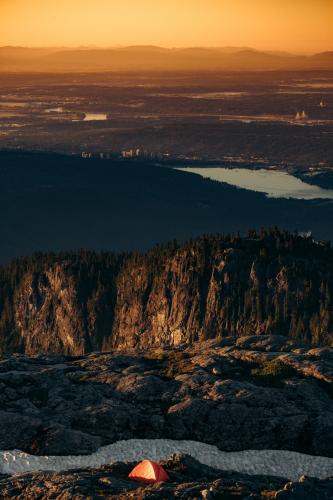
{"x": 296, "y": 25}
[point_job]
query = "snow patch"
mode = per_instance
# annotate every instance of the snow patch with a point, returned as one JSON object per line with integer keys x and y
{"x": 282, "y": 463}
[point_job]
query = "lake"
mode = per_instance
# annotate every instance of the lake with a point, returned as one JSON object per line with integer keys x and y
{"x": 273, "y": 183}
{"x": 90, "y": 117}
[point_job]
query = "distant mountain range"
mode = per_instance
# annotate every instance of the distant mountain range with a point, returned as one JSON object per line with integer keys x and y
{"x": 151, "y": 58}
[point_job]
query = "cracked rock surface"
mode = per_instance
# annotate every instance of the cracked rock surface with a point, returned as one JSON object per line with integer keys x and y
{"x": 258, "y": 392}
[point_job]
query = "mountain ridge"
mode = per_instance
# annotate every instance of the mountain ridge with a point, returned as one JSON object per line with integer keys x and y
{"x": 143, "y": 57}
{"x": 211, "y": 287}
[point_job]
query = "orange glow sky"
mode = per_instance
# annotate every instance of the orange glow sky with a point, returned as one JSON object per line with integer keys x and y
{"x": 294, "y": 25}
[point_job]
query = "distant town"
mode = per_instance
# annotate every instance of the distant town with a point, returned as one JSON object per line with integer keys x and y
{"x": 127, "y": 154}
{"x": 173, "y": 159}
{"x": 143, "y": 154}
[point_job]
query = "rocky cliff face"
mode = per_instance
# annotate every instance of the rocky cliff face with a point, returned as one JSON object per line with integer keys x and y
{"x": 48, "y": 315}
{"x": 209, "y": 288}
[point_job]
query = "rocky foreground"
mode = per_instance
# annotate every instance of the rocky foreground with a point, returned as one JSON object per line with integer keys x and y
{"x": 259, "y": 392}
{"x": 189, "y": 480}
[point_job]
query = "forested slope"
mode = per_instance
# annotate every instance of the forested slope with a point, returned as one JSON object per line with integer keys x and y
{"x": 215, "y": 286}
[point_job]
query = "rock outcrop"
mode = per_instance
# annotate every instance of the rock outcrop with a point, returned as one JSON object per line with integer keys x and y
{"x": 236, "y": 393}
{"x": 188, "y": 480}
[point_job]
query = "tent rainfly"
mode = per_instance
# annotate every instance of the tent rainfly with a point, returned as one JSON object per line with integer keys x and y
{"x": 148, "y": 471}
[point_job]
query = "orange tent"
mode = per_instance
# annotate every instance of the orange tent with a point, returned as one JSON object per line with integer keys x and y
{"x": 148, "y": 472}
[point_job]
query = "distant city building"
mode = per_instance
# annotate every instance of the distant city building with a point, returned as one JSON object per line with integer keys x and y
{"x": 102, "y": 155}
{"x": 127, "y": 154}
{"x": 301, "y": 116}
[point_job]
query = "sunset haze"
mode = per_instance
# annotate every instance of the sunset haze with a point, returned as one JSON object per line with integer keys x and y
{"x": 297, "y": 26}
